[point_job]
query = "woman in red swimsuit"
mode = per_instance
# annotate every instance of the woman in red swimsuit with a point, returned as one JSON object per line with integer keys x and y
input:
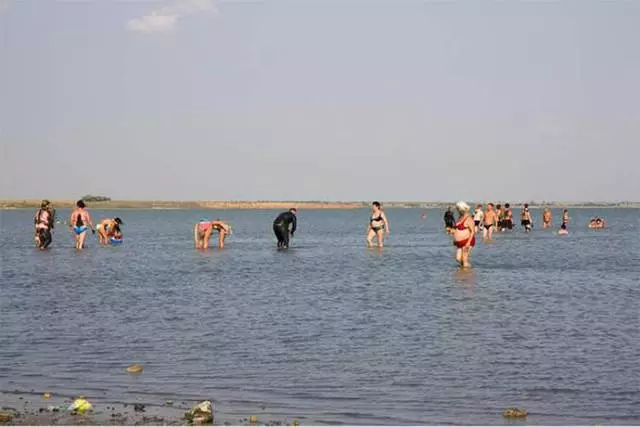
{"x": 464, "y": 235}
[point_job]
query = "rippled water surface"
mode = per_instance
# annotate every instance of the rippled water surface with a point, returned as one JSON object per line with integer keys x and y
{"x": 330, "y": 331}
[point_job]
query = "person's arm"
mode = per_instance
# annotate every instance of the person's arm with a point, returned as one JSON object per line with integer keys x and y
{"x": 52, "y": 218}
{"x": 195, "y": 235}
{"x": 93, "y": 229}
{"x": 471, "y": 225}
{"x": 294, "y": 224}
{"x": 386, "y": 223}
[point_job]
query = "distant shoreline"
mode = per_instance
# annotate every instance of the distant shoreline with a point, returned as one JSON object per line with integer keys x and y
{"x": 166, "y": 204}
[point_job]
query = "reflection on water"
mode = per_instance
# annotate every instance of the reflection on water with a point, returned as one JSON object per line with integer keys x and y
{"x": 329, "y": 330}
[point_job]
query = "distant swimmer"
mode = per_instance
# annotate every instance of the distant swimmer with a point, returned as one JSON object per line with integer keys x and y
{"x": 449, "y": 220}
{"x": 204, "y": 229}
{"x": 478, "y": 216}
{"x": 80, "y": 222}
{"x": 378, "y": 225}
{"x": 107, "y": 228}
{"x": 44, "y": 221}
{"x": 565, "y": 216}
{"x": 597, "y": 223}
{"x": 546, "y": 218}
{"x": 464, "y": 235}
{"x": 281, "y": 227}
{"x": 490, "y": 221}
{"x": 500, "y": 213}
{"x": 507, "y": 218}
{"x": 525, "y": 218}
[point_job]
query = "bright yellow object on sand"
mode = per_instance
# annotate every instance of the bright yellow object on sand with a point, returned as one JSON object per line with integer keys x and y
{"x": 80, "y": 406}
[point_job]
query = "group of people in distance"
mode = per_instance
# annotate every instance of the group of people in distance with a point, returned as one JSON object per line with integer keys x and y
{"x": 108, "y": 229}
{"x": 462, "y": 230}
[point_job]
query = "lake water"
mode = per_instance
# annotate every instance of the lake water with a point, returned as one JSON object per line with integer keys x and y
{"x": 330, "y": 331}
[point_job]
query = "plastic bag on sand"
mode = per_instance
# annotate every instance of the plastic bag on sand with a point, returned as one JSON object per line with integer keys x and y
{"x": 80, "y": 406}
{"x": 202, "y": 413}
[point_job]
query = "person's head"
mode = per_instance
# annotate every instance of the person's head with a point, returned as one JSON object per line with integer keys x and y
{"x": 293, "y": 211}
{"x": 478, "y": 206}
{"x": 498, "y": 207}
{"x": 507, "y": 205}
{"x": 490, "y": 206}
{"x": 462, "y": 207}
{"x": 45, "y": 204}
{"x": 448, "y": 208}
{"x": 80, "y": 204}
{"x": 598, "y": 220}
{"x": 117, "y": 220}
{"x": 375, "y": 205}
{"x": 565, "y": 210}
{"x": 526, "y": 205}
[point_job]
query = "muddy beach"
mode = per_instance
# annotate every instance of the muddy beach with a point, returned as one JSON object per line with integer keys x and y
{"x": 32, "y": 408}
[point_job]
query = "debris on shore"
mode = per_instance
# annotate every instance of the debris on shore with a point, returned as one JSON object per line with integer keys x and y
{"x": 202, "y": 413}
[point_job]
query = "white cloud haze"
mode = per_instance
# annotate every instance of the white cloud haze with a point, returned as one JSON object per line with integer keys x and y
{"x": 165, "y": 19}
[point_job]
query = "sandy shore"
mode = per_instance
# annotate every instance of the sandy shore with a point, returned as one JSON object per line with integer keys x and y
{"x": 32, "y": 409}
{"x": 160, "y": 204}
{"x": 155, "y": 204}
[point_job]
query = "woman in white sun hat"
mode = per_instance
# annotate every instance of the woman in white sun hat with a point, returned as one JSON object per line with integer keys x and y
{"x": 464, "y": 234}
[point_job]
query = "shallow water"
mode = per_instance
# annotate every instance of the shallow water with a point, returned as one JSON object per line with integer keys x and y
{"x": 330, "y": 331}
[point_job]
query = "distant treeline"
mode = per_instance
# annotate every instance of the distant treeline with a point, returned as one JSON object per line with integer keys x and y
{"x": 91, "y": 198}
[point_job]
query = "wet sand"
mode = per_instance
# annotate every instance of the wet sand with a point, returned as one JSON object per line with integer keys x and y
{"x": 31, "y": 408}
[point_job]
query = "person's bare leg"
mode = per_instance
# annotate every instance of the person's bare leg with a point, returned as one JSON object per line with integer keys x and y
{"x": 484, "y": 232}
{"x": 466, "y": 252}
{"x": 459, "y": 256}
{"x": 370, "y": 237}
{"x": 490, "y": 232}
{"x": 380, "y": 235}
{"x": 205, "y": 240}
{"x": 221, "y": 236}
{"x": 81, "y": 239}
{"x": 196, "y": 236}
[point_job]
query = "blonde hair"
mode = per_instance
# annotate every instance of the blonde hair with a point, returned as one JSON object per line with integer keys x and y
{"x": 462, "y": 207}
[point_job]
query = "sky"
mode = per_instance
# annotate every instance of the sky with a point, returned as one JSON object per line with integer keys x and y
{"x": 320, "y": 100}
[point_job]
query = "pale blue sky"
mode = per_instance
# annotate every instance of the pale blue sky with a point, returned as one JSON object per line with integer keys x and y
{"x": 328, "y": 100}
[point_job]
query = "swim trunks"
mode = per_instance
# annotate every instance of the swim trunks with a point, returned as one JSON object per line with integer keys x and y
{"x": 80, "y": 230}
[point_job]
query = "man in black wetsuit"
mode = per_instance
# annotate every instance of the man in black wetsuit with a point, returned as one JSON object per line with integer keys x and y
{"x": 281, "y": 227}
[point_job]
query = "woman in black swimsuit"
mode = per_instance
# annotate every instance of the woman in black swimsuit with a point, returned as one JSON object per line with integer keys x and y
{"x": 378, "y": 224}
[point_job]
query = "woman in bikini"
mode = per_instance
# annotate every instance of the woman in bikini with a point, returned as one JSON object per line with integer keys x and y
{"x": 203, "y": 230}
{"x": 546, "y": 218}
{"x": 378, "y": 225}
{"x": 80, "y": 222}
{"x": 464, "y": 235}
{"x": 106, "y": 229}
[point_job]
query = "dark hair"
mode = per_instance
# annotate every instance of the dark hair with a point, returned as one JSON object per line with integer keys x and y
{"x": 526, "y": 205}
{"x": 490, "y": 204}
{"x": 507, "y": 205}
{"x": 376, "y": 204}
{"x": 498, "y": 206}
{"x": 80, "y": 204}
{"x": 117, "y": 220}
{"x": 293, "y": 210}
